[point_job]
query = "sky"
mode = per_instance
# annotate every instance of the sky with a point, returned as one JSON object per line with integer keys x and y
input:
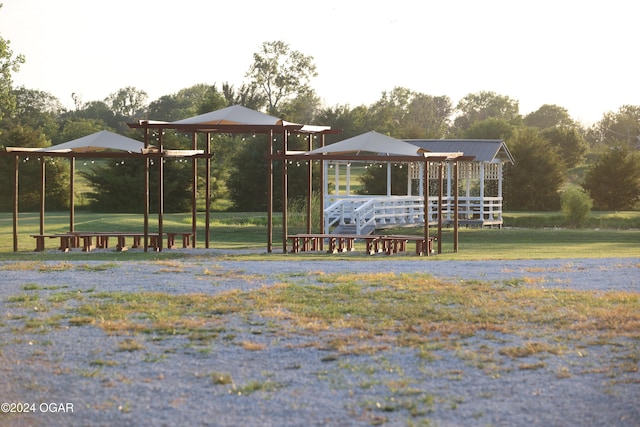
{"x": 580, "y": 55}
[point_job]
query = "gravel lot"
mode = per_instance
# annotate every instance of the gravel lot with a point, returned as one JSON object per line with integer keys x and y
{"x": 173, "y": 382}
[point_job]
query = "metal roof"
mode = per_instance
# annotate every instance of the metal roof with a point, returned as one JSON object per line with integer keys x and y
{"x": 484, "y": 150}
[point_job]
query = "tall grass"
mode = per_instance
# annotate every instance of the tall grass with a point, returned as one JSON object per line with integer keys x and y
{"x": 623, "y": 220}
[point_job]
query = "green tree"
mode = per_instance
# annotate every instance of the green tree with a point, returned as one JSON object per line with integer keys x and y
{"x": 622, "y": 126}
{"x": 118, "y": 186}
{"x": 301, "y": 109}
{"x": 570, "y": 143}
{"x": 386, "y": 114}
{"x": 427, "y": 116}
{"x": 248, "y": 177}
{"x": 247, "y": 95}
{"x": 8, "y": 65}
{"x": 406, "y": 114}
{"x": 248, "y": 183}
{"x": 56, "y": 173}
{"x": 37, "y": 110}
{"x": 74, "y": 129}
{"x": 480, "y": 106}
{"x": 491, "y": 128}
{"x": 349, "y": 121}
{"x": 279, "y": 73}
{"x": 128, "y": 102}
{"x": 549, "y": 116}
{"x": 374, "y": 180}
{"x": 98, "y": 112}
{"x": 188, "y": 102}
{"x": 614, "y": 179}
{"x": 533, "y": 182}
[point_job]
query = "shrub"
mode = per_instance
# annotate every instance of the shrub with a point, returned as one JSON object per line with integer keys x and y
{"x": 576, "y": 205}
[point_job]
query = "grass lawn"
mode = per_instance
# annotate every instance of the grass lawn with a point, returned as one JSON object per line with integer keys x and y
{"x": 232, "y": 230}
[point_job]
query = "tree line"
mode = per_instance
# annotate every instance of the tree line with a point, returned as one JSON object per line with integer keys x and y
{"x": 553, "y": 152}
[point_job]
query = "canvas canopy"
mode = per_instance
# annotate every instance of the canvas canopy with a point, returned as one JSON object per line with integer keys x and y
{"x": 234, "y": 115}
{"x": 371, "y": 142}
{"x": 237, "y": 115}
{"x": 103, "y": 140}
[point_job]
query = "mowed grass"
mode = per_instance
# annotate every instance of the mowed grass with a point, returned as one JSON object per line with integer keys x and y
{"x": 230, "y": 230}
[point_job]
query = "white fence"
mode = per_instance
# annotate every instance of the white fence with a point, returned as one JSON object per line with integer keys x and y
{"x": 367, "y": 212}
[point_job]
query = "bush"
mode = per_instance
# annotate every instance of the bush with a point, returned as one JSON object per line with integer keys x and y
{"x": 576, "y": 205}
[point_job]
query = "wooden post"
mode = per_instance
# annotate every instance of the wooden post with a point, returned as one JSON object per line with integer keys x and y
{"x": 15, "y": 203}
{"x": 425, "y": 195}
{"x": 440, "y": 200}
{"x": 455, "y": 206}
{"x": 285, "y": 191}
{"x": 72, "y": 207}
{"x": 325, "y": 191}
{"x": 309, "y": 184}
{"x": 160, "y": 192}
{"x": 42, "y": 192}
{"x": 207, "y": 213}
{"x": 194, "y": 188}
{"x": 146, "y": 191}
{"x": 270, "y": 193}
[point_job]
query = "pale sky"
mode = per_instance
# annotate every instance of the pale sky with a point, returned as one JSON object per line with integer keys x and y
{"x": 580, "y": 55}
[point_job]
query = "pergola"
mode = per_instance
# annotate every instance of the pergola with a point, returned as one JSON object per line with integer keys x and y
{"x": 240, "y": 120}
{"x": 375, "y": 147}
{"x": 100, "y": 145}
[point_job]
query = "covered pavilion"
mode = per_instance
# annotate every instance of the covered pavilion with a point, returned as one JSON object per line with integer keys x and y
{"x": 237, "y": 119}
{"x": 375, "y": 147}
{"x": 102, "y": 145}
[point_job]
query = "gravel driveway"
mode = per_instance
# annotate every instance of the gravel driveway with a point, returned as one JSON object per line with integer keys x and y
{"x": 77, "y": 376}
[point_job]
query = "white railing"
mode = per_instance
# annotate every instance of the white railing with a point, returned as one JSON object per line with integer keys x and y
{"x": 364, "y": 216}
{"x": 389, "y": 211}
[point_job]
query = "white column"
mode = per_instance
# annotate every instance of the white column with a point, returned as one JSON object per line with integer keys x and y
{"x": 482, "y": 166}
{"x": 449, "y": 188}
{"x": 388, "y": 179}
{"x": 325, "y": 189}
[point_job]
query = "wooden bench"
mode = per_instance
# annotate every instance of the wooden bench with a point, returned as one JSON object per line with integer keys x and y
{"x": 67, "y": 241}
{"x": 392, "y": 244}
{"x": 336, "y": 242}
{"x": 85, "y": 239}
{"x": 188, "y": 239}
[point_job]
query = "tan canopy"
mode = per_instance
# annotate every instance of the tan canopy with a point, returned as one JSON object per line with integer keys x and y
{"x": 371, "y": 142}
{"x": 99, "y": 141}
